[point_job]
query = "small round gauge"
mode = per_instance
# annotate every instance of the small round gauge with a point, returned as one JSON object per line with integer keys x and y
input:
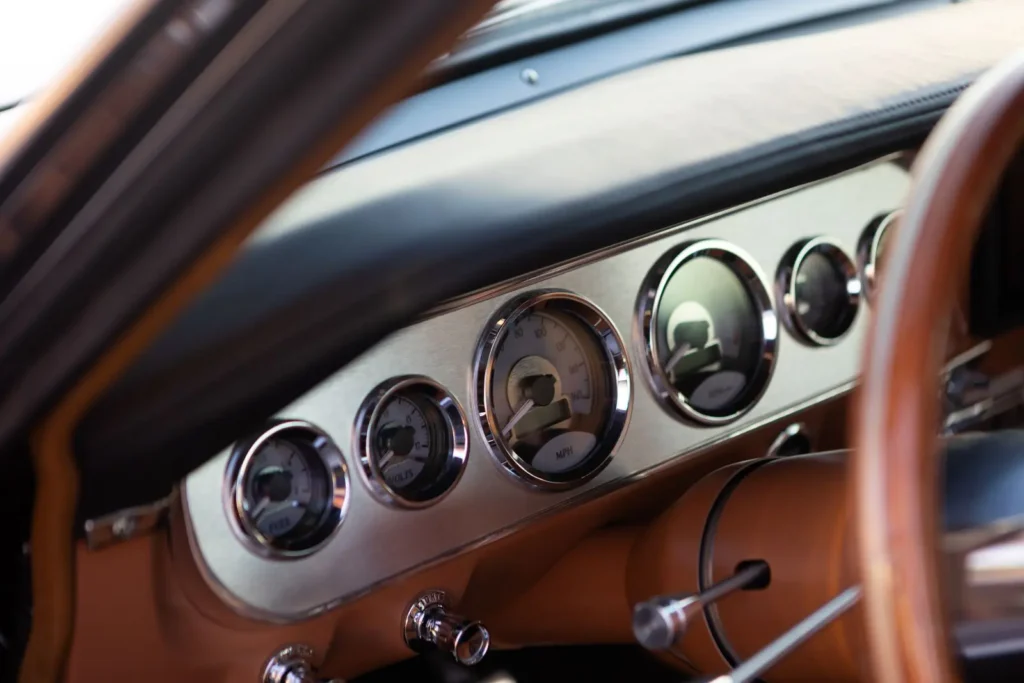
{"x": 553, "y": 389}
{"x": 818, "y": 285}
{"x": 411, "y": 442}
{"x": 287, "y": 489}
{"x": 709, "y": 331}
{"x": 871, "y": 249}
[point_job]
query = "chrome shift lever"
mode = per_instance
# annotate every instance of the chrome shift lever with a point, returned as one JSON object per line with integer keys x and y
{"x": 661, "y": 621}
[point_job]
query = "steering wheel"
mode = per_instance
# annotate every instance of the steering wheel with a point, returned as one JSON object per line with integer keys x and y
{"x": 898, "y": 525}
{"x": 895, "y": 493}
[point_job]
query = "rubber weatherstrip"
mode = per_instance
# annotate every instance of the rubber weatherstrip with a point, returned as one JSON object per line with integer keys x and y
{"x": 52, "y": 439}
{"x": 52, "y": 535}
{"x": 707, "y": 542}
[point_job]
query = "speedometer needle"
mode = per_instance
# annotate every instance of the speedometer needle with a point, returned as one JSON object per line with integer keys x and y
{"x": 539, "y": 390}
{"x": 384, "y": 459}
{"x": 517, "y": 416}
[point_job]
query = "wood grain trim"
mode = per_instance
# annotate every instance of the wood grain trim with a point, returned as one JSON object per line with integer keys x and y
{"x": 894, "y": 424}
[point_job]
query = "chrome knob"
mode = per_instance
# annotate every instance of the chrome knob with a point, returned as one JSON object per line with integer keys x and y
{"x": 661, "y": 621}
{"x": 293, "y": 664}
{"x": 429, "y": 625}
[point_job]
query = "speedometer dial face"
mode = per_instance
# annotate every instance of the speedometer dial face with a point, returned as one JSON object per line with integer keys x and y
{"x": 554, "y": 389}
{"x": 709, "y": 331}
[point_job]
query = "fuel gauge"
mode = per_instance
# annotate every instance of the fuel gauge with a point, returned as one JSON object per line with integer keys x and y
{"x": 411, "y": 442}
{"x": 287, "y": 489}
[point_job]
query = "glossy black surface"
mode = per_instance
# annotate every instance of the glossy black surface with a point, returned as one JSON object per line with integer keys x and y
{"x": 822, "y": 301}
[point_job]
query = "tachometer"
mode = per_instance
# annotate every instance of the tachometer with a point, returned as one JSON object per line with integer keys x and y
{"x": 709, "y": 331}
{"x": 553, "y": 389}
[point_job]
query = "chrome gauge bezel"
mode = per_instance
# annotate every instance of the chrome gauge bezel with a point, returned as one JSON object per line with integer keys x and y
{"x": 457, "y": 434}
{"x": 239, "y": 464}
{"x": 649, "y": 300}
{"x": 598, "y": 324}
{"x": 785, "y": 282}
{"x": 867, "y": 250}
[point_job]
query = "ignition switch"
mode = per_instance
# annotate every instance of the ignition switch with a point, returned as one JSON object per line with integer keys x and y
{"x": 429, "y": 625}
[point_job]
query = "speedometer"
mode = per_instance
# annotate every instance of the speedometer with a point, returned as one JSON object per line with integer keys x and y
{"x": 553, "y": 389}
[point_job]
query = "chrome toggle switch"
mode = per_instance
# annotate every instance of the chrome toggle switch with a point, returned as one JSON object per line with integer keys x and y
{"x": 429, "y": 625}
{"x": 293, "y": 664}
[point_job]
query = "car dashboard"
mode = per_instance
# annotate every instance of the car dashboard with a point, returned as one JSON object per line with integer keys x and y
{"x": 381, "y": 535}
{"x": 673, "y": 268}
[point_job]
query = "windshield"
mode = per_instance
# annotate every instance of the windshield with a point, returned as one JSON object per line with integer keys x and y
{"x": 41, "y": 38}
{"x": 513, "y": 24}
{"x": 507, "y": 11}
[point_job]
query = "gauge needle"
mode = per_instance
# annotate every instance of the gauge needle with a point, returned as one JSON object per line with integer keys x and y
{"x": 384, "y": 459}
{"x": 543, "y": 417}
{"x": 260, "y": 506}
{"x": 517, "y": 416}
{"x": 688, "y": 359}
{"x": 277, "y": 507}
{"x": 539, "y": 391}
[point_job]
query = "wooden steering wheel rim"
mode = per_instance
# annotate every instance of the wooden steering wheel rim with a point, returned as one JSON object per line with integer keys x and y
{"x": 895, "y": 471}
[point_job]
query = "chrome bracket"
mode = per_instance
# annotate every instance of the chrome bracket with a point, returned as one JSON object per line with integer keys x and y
{"x": 126, "y": 524}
